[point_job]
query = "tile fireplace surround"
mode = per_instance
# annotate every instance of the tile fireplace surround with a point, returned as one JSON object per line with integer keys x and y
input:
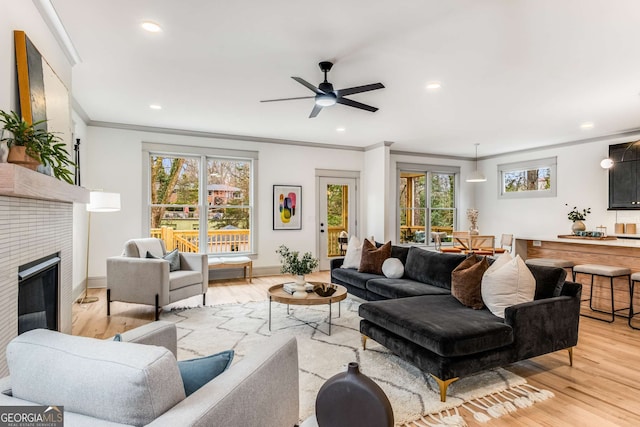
{"x": 36, "y": 220}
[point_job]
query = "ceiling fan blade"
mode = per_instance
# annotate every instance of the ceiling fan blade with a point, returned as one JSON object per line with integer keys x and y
{"x": 315, "y": 111}
{"x": 359, "y": 89}
{"x": 350, "y": 103}
{"x": 287, "y": 99}
{"x": 306, "y": 84}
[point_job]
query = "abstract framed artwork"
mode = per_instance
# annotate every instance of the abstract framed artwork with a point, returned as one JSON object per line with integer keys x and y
{"x": 287, "y": 212}
{"x": 42, "y": 94}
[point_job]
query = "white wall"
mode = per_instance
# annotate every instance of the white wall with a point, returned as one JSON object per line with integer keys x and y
{"x": 114, "y": 163}
{"x": 376, "y": 193}
{"x": 23, "y": 15}
{"x": 581, "y": 182}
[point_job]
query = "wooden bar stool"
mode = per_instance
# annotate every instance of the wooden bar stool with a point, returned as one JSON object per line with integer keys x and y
{"x": 552, "y": 262}
{"x": 603, "y": 271}
{"x": 635, "y": 277}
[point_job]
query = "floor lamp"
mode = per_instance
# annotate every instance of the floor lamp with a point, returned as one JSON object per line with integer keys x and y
{"x": 99, "y": 201}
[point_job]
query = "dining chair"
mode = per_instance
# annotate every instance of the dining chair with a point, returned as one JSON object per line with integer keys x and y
{"x": 506, "y": 244}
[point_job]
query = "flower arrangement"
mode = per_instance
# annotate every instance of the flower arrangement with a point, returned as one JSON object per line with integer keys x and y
{"x": 472, "y": 216}
{"x": 293, "y": 264}
{"x": 576, "y": 215}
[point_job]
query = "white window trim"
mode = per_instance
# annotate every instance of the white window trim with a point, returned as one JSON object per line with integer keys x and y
{"x": 549, "y": 162}
{"x": 173, "y": 150}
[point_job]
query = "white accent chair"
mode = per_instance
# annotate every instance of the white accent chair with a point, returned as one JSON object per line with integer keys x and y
{"x": 131, "y": 277}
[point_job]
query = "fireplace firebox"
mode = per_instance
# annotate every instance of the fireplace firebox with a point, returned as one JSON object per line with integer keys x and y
{"x": 38, "y": 284}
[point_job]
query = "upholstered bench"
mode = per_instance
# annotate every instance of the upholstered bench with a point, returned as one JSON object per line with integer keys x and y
{"x": 233, "y": 262}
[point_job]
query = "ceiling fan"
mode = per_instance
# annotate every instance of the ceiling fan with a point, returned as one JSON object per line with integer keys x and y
{"x": 326, "y": 96}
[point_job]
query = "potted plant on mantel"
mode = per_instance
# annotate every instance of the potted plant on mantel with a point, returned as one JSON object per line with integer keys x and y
{"x": 293, "y": 264}
{"x": 31, "y": 146}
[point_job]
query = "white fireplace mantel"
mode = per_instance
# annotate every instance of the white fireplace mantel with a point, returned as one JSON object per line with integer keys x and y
{"x": 18, "y": 181}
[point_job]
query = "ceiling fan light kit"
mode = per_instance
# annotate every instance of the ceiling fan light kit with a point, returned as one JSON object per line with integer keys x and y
{"x": 476, "y": 175}
{"x": 326, "y": 96}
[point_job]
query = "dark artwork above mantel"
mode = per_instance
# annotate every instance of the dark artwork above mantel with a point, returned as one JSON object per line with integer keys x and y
{"x": 624, "y": 176}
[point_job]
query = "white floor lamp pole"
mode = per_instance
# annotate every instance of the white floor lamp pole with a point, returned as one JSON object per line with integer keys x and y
{"x": 98, "y": 202}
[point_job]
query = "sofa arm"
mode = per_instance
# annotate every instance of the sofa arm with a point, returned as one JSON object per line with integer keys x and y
{"x": 196, "y": 262}
{"x": 260, "y": 390}
{"x": 160, "y": 333}
{"x": 544, "y": 326}
{"x": 336, "y": 263}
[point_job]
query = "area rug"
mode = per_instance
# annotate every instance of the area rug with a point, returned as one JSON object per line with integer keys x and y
{"x": 413, "y": 394}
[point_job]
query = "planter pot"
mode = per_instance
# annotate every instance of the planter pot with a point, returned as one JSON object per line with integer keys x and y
{"x": 578, "y": 226}
{"x": 19, "y": 156}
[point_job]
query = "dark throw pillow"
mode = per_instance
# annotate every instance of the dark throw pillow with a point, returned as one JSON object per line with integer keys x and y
{"x": 197, "y": 372}
{"x": 173, "y": 257}
{"x": 466, "y": 281}
{"x": 372, "y": 258}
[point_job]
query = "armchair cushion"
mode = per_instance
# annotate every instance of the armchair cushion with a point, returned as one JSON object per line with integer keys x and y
{"x": 116, "y": 381}
{"x": 197, "y": 372}
{"x": 173, "y": 257}
{"x": 180, "y": 279}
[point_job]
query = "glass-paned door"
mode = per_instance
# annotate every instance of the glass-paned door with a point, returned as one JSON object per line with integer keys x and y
{"x": 337, "y": 215}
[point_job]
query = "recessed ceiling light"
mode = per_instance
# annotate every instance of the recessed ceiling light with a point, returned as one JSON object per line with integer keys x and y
{"x": 434, "y": 85}
{"x": 340, "y": 129}
{"x": 155, "y": 107}
{"x": 152, "y": 27}
{"x": 586, "y": 125}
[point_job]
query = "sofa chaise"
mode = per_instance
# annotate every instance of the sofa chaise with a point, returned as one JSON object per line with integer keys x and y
{"x": 418, "y": 319}
{"x": 106, "y": 383}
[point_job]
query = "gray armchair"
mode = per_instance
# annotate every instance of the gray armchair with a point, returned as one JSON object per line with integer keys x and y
{"x": 134, "y": 278}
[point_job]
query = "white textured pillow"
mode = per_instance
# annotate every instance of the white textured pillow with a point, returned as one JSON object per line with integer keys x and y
{"x": 354, "y": 253}
{"x": 393, "y": 268}
{"x": 507, "y": 282}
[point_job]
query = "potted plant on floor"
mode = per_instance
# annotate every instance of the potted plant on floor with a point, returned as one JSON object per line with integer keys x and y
{"x": 292, "y": 263}
{"x": 29, "y": 146}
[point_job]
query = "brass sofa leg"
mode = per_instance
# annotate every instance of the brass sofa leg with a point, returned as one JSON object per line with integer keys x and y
{"x": 364, "y": 342}
{"x": 570, "y": 350}
{"x": 443, "y": 385}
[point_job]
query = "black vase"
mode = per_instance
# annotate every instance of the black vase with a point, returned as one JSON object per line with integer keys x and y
{"x": 351, "y": 399}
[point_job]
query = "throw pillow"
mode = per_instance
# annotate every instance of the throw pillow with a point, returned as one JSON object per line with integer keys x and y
{"x": 373, "y": 258}
{"x": 393, "y": 268}
{"x": 466, "y": 279}
{"x": 509, "y": 284}
{"x": 354, "y": 253}
{"x": 197, "y": 372}
{"x": 173, "y": 257}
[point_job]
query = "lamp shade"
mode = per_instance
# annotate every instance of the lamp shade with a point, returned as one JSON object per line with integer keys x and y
{"x": 100, "y": 201}
{"x": 476, "y": 176}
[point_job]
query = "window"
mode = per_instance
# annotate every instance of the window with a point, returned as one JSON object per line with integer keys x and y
{"x": 427, "y": 198}
{"x": 535, "y": 178}
{"x": 200, "y": 197}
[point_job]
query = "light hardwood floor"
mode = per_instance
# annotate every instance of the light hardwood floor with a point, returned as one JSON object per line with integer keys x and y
{"x": 601, "y": 389}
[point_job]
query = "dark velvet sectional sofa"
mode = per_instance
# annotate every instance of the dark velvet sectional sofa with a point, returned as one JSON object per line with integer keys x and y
{"x": 418, "y": 319}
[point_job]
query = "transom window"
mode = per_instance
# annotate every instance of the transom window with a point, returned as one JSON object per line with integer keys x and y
{"x": 201, "y": 203}
{"x": 535, "y": 178}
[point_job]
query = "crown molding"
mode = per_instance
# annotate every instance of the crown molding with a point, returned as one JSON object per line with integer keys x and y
{"x": 50, "y": 16}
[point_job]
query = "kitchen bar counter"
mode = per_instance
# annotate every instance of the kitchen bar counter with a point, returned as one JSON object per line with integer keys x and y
{"x": 618, "y": 253}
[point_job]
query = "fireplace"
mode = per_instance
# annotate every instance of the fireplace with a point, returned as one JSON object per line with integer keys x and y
{"x": 38, "y": 294}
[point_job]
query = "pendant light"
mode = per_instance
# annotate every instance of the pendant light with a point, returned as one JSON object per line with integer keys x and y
{"x": 476, "y": 175}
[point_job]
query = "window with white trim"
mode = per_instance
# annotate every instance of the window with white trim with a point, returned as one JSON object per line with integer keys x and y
{"x": 427, "y": 202}
{"x": 199, "y": 201}
{"x": 533, "y": 178}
